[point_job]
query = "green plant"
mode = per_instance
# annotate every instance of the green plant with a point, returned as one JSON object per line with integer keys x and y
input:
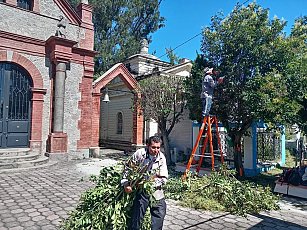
{"x": 221, "y": 191}
{"x": 290, "y": 159}
{"x": 107, "y": 206}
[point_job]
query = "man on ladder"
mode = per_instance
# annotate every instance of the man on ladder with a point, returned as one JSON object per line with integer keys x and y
{"x": 208, "y": 85}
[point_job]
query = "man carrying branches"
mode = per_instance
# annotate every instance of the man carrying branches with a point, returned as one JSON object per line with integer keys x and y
{"x": 151, "y": 160}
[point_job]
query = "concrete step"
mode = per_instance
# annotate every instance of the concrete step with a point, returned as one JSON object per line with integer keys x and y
{"x": 19, "y": 158}
{"x": 25, "y": 164}
{"x": 11, "y": 170}
{"x": 11, "y": 152}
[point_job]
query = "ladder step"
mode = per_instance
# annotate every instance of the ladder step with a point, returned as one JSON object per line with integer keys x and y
{"x": 207, "y": 132}
{"x": 217, "y": 151}
{"x": 208, "y": 155}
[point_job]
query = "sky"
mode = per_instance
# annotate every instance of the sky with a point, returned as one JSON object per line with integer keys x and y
{"x": 186, "y": 18}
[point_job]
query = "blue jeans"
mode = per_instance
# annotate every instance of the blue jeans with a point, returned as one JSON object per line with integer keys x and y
{"x": 207, "y": 102}
{"x": 139, "y": 208}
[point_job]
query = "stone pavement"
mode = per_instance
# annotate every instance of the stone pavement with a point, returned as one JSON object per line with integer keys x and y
{"x": 41, "y": 198}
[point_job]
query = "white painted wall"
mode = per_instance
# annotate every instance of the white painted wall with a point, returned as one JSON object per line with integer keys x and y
{"x": 248, "y": 151}
{"x": 181, "y": 135}
{"x": 108, "y": 118}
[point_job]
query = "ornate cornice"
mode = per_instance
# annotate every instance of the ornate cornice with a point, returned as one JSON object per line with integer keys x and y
{"x": 21, "y": 43}
{"x": 60, "y": 49}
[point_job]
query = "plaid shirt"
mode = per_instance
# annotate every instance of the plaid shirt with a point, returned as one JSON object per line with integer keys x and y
{"x": 157, "y": 165}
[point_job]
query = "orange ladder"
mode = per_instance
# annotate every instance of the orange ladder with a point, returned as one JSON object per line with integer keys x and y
{"x": 206, "y": 125}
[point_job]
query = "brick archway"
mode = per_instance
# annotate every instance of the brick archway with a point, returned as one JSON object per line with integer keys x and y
{"x": 118, "y": 70}
{"x": 37, "y": 95}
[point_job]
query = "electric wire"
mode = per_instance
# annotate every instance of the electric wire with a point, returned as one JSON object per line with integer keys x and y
{"x": 183, "y": 43}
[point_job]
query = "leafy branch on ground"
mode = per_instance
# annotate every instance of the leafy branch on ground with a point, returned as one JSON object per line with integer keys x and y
{"x": 221, "y": 191}
{"x": 107, "y": 206}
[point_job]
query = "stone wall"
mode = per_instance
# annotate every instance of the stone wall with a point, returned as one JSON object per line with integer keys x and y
{"x": 26, "y": 22}
{"x": 71, "y": 110}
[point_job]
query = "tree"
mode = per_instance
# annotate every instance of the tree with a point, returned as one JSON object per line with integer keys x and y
{"x": 172, "y": 57}
{"x": 119, "y": 26}
{"x": 251, "y": 53}
{"x": 162, "y": 100}
{"x": 297, "y": 69}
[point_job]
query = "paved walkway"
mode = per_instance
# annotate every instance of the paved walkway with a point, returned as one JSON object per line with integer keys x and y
{"x": 41, "y": 198}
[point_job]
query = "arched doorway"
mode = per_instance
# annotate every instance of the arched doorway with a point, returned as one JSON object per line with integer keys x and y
{"x": 15, "y": 106}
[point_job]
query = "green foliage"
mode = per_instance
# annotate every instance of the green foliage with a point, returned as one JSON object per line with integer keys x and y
{"x": 247, "y": 46}
{"x": 267, "y": 97}
{"x": 290, "y": 159}
{"x": 297, "y": 69}
{"x": 221, "y": 191}
{"x": 173, "y": 58}
{"x": 107, "y": 206}
{"x": 261, "y": 67}
{"x": 119, "y": 26}
{"x": 161, "y": 97}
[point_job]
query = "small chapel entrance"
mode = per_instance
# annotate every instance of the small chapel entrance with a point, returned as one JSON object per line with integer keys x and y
{"x": 15, "y": 106}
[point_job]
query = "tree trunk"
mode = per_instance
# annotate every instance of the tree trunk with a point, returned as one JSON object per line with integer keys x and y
{"x": 166, "y": 146}
{"x": 238, "y": 159}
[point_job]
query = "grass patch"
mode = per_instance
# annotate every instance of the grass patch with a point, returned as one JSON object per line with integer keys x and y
{"x": 290, "y": 159}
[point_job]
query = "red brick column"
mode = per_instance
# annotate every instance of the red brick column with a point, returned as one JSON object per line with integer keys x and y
{"x": 36, "y": 6}
{"x": 85, "y": 106}
{"x": 95, "y": 119}
{"x": 37, "y": 119}
{"x": 86, "y": 103}
{"x": 11, "y": 2}
{"x": 85, "y": 13}
{"x": 138, "y": 124}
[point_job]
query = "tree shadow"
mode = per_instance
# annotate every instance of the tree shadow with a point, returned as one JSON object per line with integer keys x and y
{"x": 267, "y": 222}
{"x": 274, "y": 223}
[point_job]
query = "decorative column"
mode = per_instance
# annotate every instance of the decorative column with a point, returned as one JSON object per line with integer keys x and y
{"x": 60, "y": 50}
{"x": 59, "y": 93}
{"x": 94, "y": 149}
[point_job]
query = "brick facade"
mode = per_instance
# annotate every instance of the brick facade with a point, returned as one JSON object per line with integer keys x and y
{"x": 27, "y": 39}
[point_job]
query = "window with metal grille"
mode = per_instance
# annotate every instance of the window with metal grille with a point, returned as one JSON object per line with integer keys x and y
{"x": 119, "y": 123}
{"x": 25, "y": 4}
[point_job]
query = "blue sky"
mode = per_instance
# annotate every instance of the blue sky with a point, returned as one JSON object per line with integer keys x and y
{"x": 186, "y": 18}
